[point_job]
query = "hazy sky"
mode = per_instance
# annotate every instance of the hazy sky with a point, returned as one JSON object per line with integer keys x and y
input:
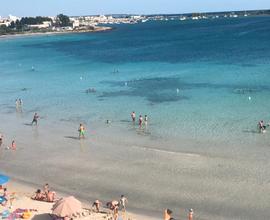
{"x": 87, "y": 7}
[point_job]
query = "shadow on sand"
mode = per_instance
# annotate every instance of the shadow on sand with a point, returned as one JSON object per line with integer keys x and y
{"x": 73, "y": 137}
{"x": 28, "y": 124}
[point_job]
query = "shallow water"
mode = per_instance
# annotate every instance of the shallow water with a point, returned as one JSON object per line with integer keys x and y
{"x": 203, "y": 84}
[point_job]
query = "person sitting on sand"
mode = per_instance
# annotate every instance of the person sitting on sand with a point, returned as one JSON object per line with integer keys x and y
{"x": 97, "y": 205}
{"x": 51, "y": 196}
{"x": 39, "y": 196}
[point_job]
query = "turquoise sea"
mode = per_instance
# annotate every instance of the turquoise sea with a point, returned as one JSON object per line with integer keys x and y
{"x": 203, "y": 84}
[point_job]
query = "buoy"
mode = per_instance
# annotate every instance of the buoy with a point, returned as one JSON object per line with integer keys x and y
{"x": 125, "y": 83}
{"x": 81, "y": 78}
{"x": 177, "y": 90}
{"x": 249, "y": 98}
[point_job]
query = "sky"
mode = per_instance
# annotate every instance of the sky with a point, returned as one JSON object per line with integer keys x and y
{"x": 94, "y": 7}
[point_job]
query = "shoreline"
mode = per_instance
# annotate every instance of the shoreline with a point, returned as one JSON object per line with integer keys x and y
{"x": 31, "y": 34}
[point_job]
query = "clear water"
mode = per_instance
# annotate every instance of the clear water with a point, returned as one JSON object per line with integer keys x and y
{"x": 220, "y": 68}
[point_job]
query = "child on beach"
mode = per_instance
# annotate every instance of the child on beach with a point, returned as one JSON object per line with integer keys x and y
{"x": 81, "y": 131}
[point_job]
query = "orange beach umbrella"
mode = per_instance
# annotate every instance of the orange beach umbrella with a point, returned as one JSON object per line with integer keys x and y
{"x": 66, "y": 206}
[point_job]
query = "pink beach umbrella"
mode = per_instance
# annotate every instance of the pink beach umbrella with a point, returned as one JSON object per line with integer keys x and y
{"x": 66, "y": 207}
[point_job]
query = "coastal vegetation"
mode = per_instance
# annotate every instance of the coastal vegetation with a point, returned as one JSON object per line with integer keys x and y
{"x": 22, "y": 25}
{"x": 63, "y": 20}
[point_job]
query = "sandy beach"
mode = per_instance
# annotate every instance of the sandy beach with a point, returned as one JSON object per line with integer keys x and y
{"x": 201, "y": 148}
{"x": 23, "y": 194}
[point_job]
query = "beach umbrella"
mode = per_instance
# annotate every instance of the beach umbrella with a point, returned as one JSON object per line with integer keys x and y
{"x": 66, "y": 206}
{"x": 3, "y": 179}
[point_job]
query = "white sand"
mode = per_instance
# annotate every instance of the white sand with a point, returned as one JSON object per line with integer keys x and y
{"x": 23, "y": 200}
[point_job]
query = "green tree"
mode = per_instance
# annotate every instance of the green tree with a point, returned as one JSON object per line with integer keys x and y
{"x": 12, "y": 25}
{"x": 63, "y": 20}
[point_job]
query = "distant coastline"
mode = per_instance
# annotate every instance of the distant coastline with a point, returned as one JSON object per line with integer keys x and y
{"x": 39, "y": 33}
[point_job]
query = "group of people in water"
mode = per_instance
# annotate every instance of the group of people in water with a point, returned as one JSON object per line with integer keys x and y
{"x": 141, "y": 119}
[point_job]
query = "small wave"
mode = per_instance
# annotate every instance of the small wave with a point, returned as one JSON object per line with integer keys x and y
{"x": 162, "y": 151}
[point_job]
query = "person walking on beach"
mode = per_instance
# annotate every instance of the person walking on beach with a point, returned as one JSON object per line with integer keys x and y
{"x": 140, "y": 120}
{"x": 133, "y": 116}
{"x": 81, "y": 131}
{"x": 35, "y": 119}
{"x": 97, "y": 205}
{"x": 123, "y": 201}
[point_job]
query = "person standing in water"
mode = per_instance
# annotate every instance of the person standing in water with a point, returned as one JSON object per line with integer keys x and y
{"x": 133, "y": 116}
{"x": 145, "y": 120}
{"x": 140, "y": 120}
{"x": 81, "y": 131}
{"x": 35, "y": 119}
{"x": 261, "y": 126}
